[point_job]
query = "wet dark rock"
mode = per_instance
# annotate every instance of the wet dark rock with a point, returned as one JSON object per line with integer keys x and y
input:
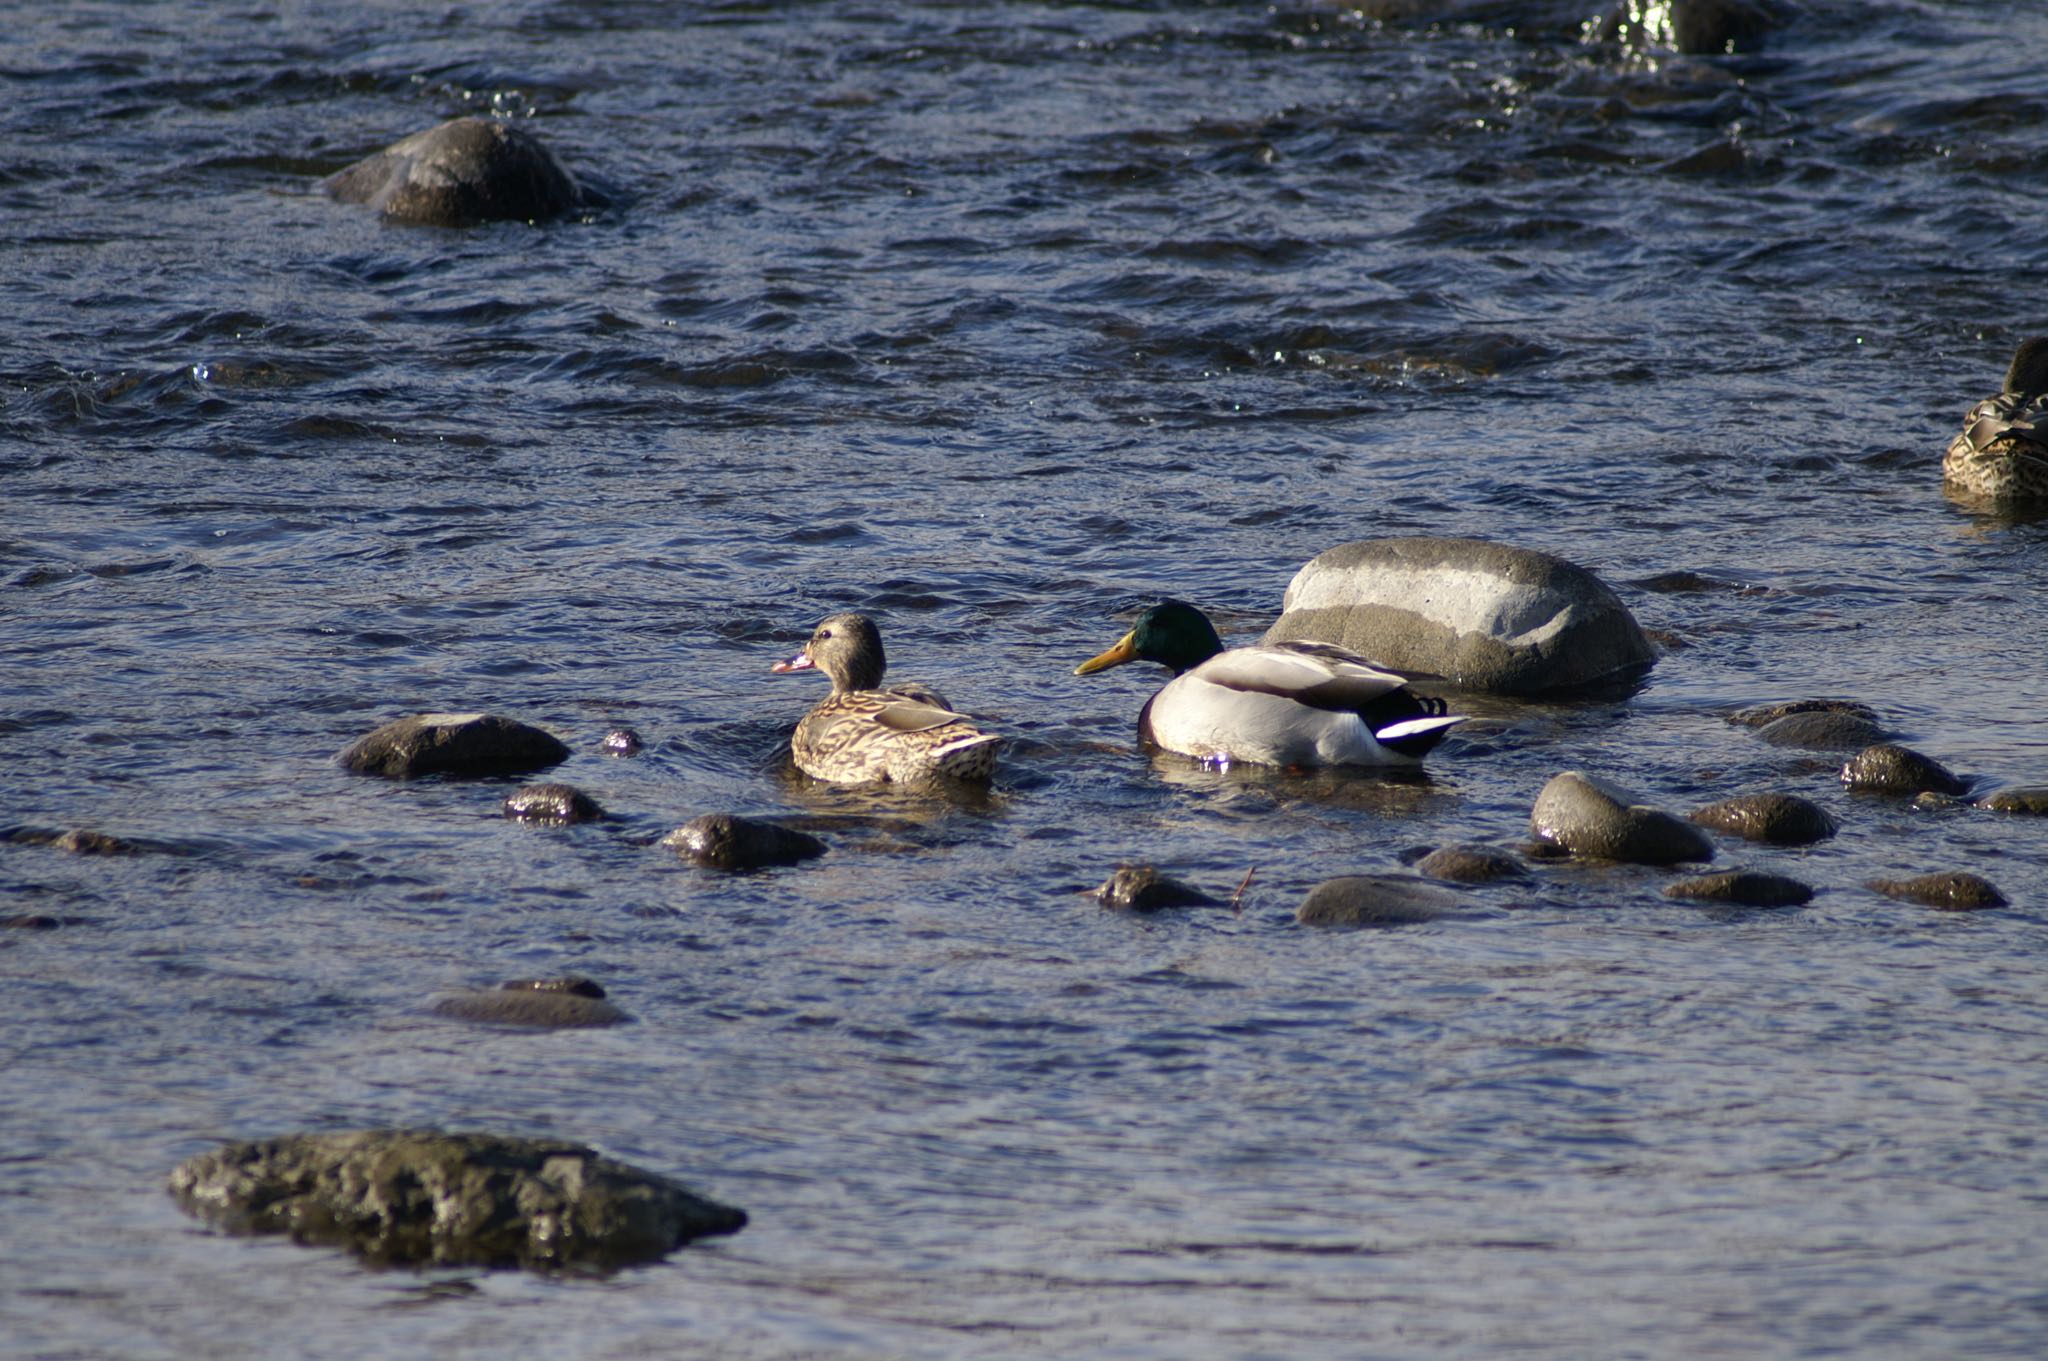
{"x": 1952, "y": 891}
{"x": 83, "y": 841}
{"x": 1761, "y": 715}
{"x": 423, "y": 1198}
{"x": 1891, "y": 769}
{"x": 542, "y": 1003}
{"x": 2025, "y": 799}
{"x": 1820, "y": 731}
{"x": 86, "y": 841}
{"x": 1596, "y": 818}
{"x": 453, "y": 744}
{"x": 1696, "y": 27}
{"x": 1748, "y": 888}
{"x": 555, "y": 803}
{"x": 465, "y": 171}
{"x": 1470, "y": 865}
{"x": 622, "y": 742}
{"x": 726, "y": 841}
{"x": 1374, "y": 900}
{"x": 1142, "y": 888}
{"x": 1481, "y": 615}
{"x": 1775, "y": 819}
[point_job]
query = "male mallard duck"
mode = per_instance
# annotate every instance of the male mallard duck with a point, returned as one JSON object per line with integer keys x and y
{"x": 863, "y": 734}
{"x": 2002, "y": 454}
{"x": 1281, "y": 704}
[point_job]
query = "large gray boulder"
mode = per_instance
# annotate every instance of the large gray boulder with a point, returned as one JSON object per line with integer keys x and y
{"x": 1595, "y": 818}
{"x": 453, "y": 744}
{"x": 1481, "y": 615}
{"x": 465, "y": 171}
{"x": 422, "y": 1198}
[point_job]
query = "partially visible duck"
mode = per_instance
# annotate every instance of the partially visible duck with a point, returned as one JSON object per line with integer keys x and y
{"x": 2002, "y": 454}
{"x": 1280, "y": 704}
{"x": 863, "y": 734}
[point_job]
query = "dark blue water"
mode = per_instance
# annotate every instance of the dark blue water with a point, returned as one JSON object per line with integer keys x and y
{"x": 997, "y": 321}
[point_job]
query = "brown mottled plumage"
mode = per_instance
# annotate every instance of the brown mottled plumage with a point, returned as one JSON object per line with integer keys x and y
{"x": 2001, "y": 457}
{"x": 863, "y": 734}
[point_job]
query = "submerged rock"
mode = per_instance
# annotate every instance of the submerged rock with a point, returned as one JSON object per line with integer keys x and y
{"x": 1142, "y": 888}
{"x": 1888, "y": 768}
{"x": 422, "y": 1198}
{"x": 1748, "y": 888}
{"x": 1695, "y": 27}
{"x": 1481, "y": 615}
{"x": 1470, "y": 865}
{"x": 1953, "y": 891}
{"x": 622, "y": 742}
{"x": 2028, "y": 799}
{"x": 542, "y": 1003}
{"x": 1762, "y": 715}
{"x": 1596, "y": 818}
{"x": 555, "y": 803}
{"x": 453, "y": 744}
{"x": 1374, "y": 900}
{"x": 85, "y": 841}
{"x": 1776, "y": 819}
{"x": 1822, "y": 731}
{"x": 726, "y": 841}
{"x": 465, "y": 171}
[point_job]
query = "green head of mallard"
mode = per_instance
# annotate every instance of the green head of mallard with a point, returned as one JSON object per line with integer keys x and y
{"x": 1173, "y": 633}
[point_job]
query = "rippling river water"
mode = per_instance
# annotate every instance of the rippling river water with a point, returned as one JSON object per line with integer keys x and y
{"x": 998, "y": 321}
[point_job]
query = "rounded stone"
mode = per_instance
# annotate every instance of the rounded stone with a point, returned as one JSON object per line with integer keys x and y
{"x": 1470, "y": 865}
{"x": 1888, "y": 768}
{"x": 2031, "y": 799}
{"x": 539, "y": 1003}
{"x": 1596, "y": 818}
{"x": 551, "y": 803}
{"x": 1142, "y": 888}
{"x": 462, "y": 172}
{"x": 1775, "y": 819}
{"x": 1747, "y": 888}
{"x": 1481, "y": 615}
{"x": 417, "y": 1197}
{"x": 1820, "y": 731}
{"x": 1761, "y": 715}
{"x": 622, "y": 742}
{"x": 453, "y": 744}
{"x": 726, "y": 841}
{"x": 1952, "y": 891}
{"x": 1373, "y": 900}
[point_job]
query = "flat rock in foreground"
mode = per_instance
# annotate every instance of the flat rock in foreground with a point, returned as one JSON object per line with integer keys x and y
{"x": 416, "y": 1197}
{"x": 454, "y": 744}
{"x": 1481, "y": 615}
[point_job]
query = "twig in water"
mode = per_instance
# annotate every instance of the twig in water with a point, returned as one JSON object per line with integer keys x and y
{"x": 1237, "y": 898}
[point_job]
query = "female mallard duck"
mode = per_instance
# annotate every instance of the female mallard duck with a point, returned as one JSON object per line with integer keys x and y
{"x": 863, "y": 734}
{"x": 1281, "y": 704}
{"x": 2002, "y": 454}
